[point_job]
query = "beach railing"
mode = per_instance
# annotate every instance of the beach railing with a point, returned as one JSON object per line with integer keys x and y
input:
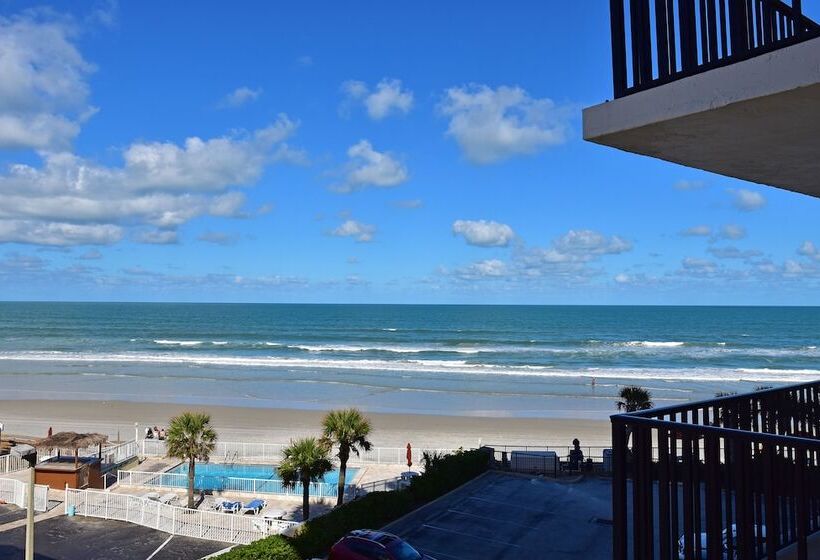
{"x": 385, "y": 485}
{"x": 210, "y": 525}
{"x": 228, "y": 484}
{"x": 117, "y": 454}
{"x": 228, "y": 451}
{"x": 15, "y": 492}
{"x": 12, "y": 463}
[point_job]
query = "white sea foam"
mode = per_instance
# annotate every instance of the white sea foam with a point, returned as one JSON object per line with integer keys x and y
{"x": 654, "y": 344}
{"x": 429, "y": 366}
{"x": 179, "y": 342}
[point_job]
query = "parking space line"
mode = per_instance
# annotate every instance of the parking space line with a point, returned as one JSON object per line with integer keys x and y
{"x": 437, "y": 554}
{"x": 493, "y": 519}
{"x": 160, "y": 547}
{"x": 509, "y": 504}
{"x": 468, "y": 535}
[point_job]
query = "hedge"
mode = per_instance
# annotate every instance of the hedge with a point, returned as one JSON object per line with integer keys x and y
{"x": 274, "y": 547}
{"x": 314, "y": 539}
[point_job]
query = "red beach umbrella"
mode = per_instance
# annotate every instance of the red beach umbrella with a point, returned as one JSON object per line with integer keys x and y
{"x": 409, "y": 456}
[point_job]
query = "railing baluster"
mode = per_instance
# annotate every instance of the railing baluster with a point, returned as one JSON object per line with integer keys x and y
{"x": 618, "y": 41}
{"x": 663, "y": 494}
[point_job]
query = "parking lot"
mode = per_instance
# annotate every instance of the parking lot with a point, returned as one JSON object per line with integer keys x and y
{"x": 504, "y": 517}
{"x": 71, "y": 538}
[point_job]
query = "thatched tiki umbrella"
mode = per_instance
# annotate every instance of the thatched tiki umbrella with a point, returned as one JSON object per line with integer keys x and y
{"x": 74, "y": 441}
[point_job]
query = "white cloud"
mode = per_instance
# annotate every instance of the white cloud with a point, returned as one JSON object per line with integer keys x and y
{"x": 386, "y": 99}
{"x": 810, "y": 250}
{"x": 698, "y": 265}
{"x": 240, "y": 96}
{"x": 733, "y": 231}
{"x": 623, "y": 278}
{"x": 569, "y": 259}
{"x": 91, "y": 255}
{"x": 58, "y": 234}
{"x": 158, "y": 237}
{"x": 363, "y": 233}
{"x": 746, "y": 200}
{"x": 487, "y": 268}
{"x": 218, "y": 237}
{"x": 734, "y": 253}
{"x": 586, "y": 244}
{"x": 687, "y": 185}
{"x": 491, "y": 125}
{"x": 43, "y": 91}
{"x": 793, "y": 268}
{"x": 71, "y": 201}
{"x": 483, "y": 233}
{"x": 367, "y": 167}
{"x": 697, "y": 231}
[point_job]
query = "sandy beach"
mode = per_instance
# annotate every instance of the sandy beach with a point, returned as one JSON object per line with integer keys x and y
{"x": 117, "y": 418}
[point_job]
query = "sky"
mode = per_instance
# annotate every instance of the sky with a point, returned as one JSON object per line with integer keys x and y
{"x": 361, "y": 152}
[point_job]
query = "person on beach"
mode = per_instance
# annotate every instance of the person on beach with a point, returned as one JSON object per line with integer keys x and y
{"x": 576, "y": 456}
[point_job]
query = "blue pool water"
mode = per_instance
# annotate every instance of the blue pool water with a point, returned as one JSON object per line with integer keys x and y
{"x": 219, "y": 476}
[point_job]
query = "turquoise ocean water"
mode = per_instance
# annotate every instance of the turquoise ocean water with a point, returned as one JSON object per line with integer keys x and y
{"x": 465, "y": 360}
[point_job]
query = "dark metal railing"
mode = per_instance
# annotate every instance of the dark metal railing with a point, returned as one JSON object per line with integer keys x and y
{"x": 659, "y": 41}
{"x": 733, "y": 477}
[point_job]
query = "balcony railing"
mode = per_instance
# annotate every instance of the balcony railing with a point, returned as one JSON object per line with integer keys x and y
{"x": 736, "y": 477}
{"x": 659, "y": 41}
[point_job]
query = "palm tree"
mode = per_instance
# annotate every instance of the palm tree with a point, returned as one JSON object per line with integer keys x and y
{"x": 348, "y": 429}
{"x": 634, "y": 398}
{"x": 190, "y": 437}
{"x": 305, "y": 460}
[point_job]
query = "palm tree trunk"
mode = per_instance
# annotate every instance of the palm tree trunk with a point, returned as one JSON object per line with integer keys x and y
{"x": 191, "y": 483}
{"x": 340, "y": 491}
{"x": 305, "y": 499}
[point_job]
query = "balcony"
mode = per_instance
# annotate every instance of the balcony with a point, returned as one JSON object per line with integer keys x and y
{"x": 734, "y": 477}
{"x": 727, "y": 86}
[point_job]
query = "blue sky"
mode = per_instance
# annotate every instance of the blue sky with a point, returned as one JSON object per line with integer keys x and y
{"x": 356, "y": 152}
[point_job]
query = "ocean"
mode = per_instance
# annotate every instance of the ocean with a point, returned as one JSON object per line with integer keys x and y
{"x": 504, "y": 361}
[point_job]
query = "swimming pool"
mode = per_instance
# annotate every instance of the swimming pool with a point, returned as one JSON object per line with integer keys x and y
{"x": 250, "y": 478}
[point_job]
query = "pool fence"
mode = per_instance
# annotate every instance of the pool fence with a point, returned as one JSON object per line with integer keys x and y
{"x": 228, "y": 484}
{"x": 15, "y": 492}
{"x": 232, "y": 451}
{"x": 176, "y": 520}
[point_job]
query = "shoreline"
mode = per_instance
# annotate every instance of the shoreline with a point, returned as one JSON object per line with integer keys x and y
{"x": 279, "y": 425}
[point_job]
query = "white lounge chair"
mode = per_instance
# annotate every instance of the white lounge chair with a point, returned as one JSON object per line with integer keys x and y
{"x": 230, "y": 507}
{"x": 254, "y": 506}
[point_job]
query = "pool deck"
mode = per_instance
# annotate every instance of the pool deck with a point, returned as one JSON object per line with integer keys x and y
{"x": 289, "y": 506}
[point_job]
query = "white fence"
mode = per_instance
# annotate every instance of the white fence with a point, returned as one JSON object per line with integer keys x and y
{"x": 223, "y": 527}
{"x": 117, "y": 454}
{"x": 228, "y": 484}
{"x": 12, "y": 463}
{"x": 386, "y": 485}
{"x": 16, "y": 492}
{"x": 228, "y": 451}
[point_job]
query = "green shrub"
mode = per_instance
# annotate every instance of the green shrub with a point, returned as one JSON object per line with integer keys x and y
{"x": 270, "y": 548}
{"x": 374, "y": 510}
{"x": 443, "y": 473}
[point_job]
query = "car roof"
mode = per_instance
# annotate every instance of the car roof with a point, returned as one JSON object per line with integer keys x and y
{"x": 379, "y": 537}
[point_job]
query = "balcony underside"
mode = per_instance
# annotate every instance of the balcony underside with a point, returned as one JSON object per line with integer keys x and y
{"x": 756, "y": 120}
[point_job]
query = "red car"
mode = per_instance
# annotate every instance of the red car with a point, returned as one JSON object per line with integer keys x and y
{"x": 365, "y": 544}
